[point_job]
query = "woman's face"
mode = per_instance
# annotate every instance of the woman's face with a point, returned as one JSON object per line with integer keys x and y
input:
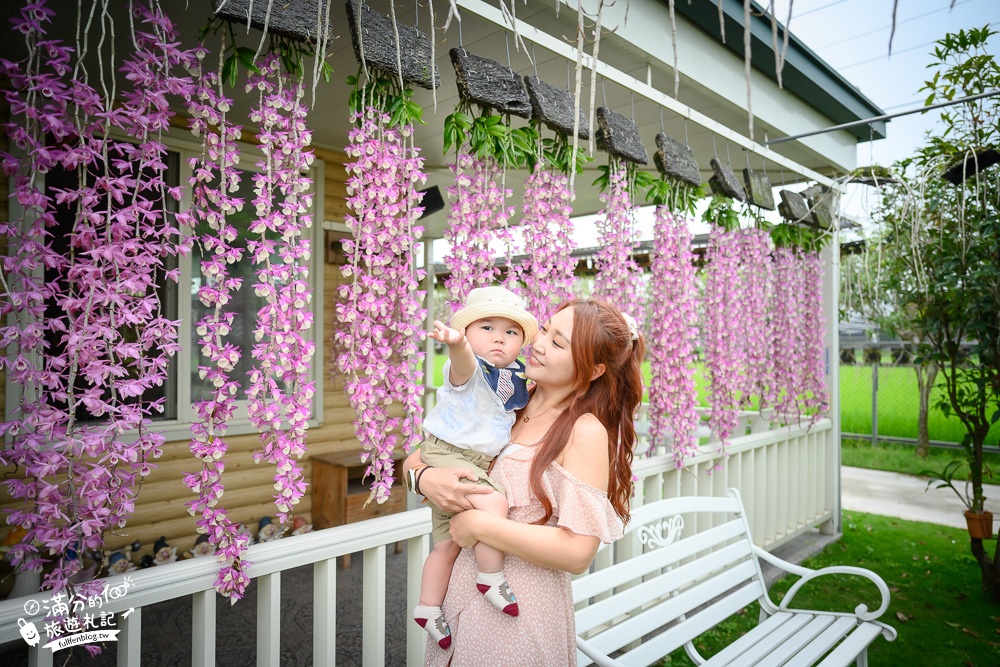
{"x": 551, "y": 361}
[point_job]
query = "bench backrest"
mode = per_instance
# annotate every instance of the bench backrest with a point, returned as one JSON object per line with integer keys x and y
{"x": 684, "y": 565}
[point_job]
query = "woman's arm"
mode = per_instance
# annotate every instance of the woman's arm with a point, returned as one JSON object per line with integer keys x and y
{"x": 547, "y": 546}
{"x": 444, "y": 486}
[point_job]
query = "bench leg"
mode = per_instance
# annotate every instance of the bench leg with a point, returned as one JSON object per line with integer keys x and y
{"x": 862, "y": 660}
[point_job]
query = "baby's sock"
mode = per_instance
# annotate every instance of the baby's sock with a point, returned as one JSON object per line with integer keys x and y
{"x": 496, "y": 589}
{"x": 431, "y": 619}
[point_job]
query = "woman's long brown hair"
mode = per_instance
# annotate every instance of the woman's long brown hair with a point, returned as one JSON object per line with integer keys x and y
{"x": 600, "y": 336}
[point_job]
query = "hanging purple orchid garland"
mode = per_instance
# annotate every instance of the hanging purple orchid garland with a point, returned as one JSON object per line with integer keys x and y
{"x": 816, "y": 401}
{"x": 113, "y": 342}
{"x": 477, "y": 216}
{"x": 785, "y": 326}
{"x": 799, "y": 352}
{"x": 214, "y": 178}
{"x": 672, "y": 335}
{"x": 806, "y": 387}
{"x": 280, "y": 392}
{"x": 619, "y": 279}
{"x": 485, "y": 147}
{"x": 382, "y": 304}
{"x": 755, "y": 294}
{"x": 724, "y": 331}
{"x": 547, "y": 275}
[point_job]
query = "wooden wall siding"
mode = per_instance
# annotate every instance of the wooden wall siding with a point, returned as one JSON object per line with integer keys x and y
{"x": 160, "y": 507}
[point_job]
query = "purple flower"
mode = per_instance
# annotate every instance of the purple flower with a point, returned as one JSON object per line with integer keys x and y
{"x": 379, "y": 346}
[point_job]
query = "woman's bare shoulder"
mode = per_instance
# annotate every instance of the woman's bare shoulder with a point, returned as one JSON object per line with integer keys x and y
{"x": 586, "y": 453}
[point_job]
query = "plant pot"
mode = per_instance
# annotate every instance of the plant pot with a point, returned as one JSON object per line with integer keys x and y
{"x": 980, "y": 525}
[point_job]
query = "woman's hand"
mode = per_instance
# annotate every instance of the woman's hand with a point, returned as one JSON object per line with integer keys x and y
{"x": 445, "y": 489}
{"x": 464, "y": 526}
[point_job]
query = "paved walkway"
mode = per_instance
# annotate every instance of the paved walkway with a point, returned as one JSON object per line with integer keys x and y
{"x": 903, "y": 497}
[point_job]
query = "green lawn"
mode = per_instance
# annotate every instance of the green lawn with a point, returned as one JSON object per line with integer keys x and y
{"x": 898, "y": 405}
{"x": 901, "y": 459}
{"x": 936, "y": 604}
{"x": 897, "y": 395}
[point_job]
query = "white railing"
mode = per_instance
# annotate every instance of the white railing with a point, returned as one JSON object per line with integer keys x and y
{"x": 783, "y": 474}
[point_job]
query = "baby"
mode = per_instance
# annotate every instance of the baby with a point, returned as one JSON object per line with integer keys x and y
{"x": 470, "y": 423}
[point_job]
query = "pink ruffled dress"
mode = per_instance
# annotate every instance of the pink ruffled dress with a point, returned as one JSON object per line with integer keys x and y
{"x": 544, "y": 633}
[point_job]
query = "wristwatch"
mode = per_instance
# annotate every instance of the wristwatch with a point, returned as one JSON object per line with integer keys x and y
{"x": 411, "y": 478}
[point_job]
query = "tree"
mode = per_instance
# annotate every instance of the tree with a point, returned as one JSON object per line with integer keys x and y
{"x": 951, "y": 273}
{"x": 877, "y": 284}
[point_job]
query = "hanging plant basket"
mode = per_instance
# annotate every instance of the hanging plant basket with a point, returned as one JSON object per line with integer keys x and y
{"x": 980, "y": 525}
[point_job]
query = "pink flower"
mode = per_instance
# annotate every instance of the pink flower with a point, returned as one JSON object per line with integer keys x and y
{"x": 672, "y": 334}
{"x": 112, "y": 346}
{"x": 378, "y": 348}
{"x": 547, "y": 273}
{"x": 477, "y": 217}
{"x": 619, "y": 278}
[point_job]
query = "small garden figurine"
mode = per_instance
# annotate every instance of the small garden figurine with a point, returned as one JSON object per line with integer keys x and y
{"x": 299, "y": 526}
{"x": 163, "y": 553}
{"x": 202, "y": 547}
{"x": 267, "y": 530}
{"x": 242, "y": 529}
{"x": 119, "y": 563}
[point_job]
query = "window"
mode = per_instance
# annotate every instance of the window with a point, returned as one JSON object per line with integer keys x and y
{"x": 180, "y": 301}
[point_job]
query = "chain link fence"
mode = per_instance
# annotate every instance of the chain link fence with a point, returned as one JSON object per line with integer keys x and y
{"x": 880, "y": 399}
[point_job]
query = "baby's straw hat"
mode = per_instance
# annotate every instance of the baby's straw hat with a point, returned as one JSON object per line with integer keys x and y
{"x": 495, "y": 302}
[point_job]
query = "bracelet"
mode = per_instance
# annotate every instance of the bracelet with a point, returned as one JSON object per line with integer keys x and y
{"x": 416, "y": 483}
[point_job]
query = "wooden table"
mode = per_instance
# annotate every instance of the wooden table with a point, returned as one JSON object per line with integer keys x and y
{"x": 339, "y": 494}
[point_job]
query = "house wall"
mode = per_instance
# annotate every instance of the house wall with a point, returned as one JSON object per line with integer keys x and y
{"x": 160, "y": 507}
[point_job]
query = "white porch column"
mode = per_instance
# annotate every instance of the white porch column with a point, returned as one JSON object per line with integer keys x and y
{"x": 831, "y": 342}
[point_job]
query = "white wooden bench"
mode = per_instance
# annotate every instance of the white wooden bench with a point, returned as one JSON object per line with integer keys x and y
{"x": 690, "y": 563}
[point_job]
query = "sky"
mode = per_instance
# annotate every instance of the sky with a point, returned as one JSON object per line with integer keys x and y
{"x": 852, "y": 36}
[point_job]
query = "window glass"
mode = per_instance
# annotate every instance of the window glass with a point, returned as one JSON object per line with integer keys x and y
{"x": 62, "y": 233}
{"x": 244, "y": 303}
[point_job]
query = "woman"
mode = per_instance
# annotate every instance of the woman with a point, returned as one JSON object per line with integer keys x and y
{"x": 568, "y": 477}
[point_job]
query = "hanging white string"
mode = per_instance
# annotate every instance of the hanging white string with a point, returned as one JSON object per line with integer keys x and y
{"x": 434, "y": 92}
{"x": 593, "y": 71}
{"x": 576, "y": 93}
{"x": 453, "y": 13}
{"x": 399, "y": 55}
{"x": 673, "y": 42}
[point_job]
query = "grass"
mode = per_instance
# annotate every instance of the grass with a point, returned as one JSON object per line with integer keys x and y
{"x": 902, "y": 459}
{"x": 936, "y": 605}
{"x": 898, "y": 405}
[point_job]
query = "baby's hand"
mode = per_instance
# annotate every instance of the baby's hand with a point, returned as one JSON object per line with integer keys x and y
{"x": 445, "y": 334}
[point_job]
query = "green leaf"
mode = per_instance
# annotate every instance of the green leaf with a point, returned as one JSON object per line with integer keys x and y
{"x": 229, "y": 70}
{"x": 246, "y": 56}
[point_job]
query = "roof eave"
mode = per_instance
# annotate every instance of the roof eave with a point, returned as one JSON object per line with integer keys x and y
{"x": 804, "y": 74}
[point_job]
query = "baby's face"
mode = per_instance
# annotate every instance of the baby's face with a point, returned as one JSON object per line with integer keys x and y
{"x": 498, "y": 340}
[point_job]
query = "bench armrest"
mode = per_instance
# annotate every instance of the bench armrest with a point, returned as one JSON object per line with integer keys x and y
{"x": 600, "y": 659}
{"x": 807, "y": 574}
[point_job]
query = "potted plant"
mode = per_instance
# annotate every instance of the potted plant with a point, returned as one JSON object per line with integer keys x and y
{"x": 978, "y": 520}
